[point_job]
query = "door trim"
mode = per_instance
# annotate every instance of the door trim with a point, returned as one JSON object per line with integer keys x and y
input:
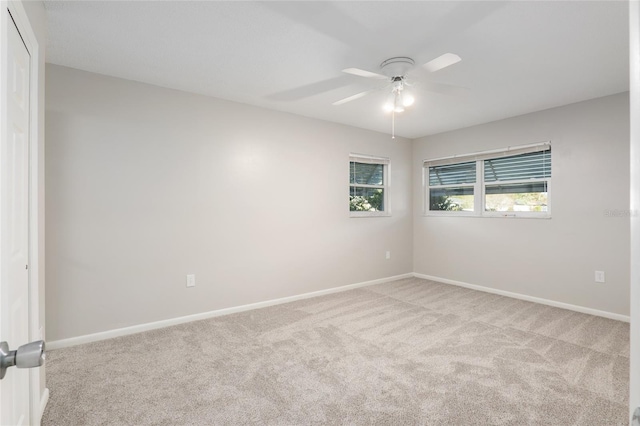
{"x": 17, "y": 11}
{"x": 634, "y": 110}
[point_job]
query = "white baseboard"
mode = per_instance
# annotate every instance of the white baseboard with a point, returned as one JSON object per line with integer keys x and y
{"x": 44, "y": 399}
{"x": 73, "y": 341}
{"x": 540, "y": 300}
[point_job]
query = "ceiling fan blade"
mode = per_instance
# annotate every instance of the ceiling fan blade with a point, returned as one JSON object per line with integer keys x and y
{"x": 363, "y": 73}
{"x": 352, "y": 98}
{"x": 441, "y": 62}
{"x": 309, "y": 90}
{"x": 462, "y": 16}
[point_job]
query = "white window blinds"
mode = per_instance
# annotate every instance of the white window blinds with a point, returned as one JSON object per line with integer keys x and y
{"x": 498, "y": 153}
{"x": 531, "y": 165}
{"x": 452, "y": 174}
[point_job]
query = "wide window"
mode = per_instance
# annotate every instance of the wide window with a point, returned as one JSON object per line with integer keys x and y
{"x": 510, "y": 182}
{"x": 368, "y": 185}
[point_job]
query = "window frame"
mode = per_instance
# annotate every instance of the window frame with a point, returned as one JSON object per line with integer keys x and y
{"x": 427, "y": 198}
{"x": 386, "y": 180}
{"x": 480, "y": 185}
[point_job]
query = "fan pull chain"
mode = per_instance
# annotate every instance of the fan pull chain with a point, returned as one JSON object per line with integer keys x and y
{"x": 393, "y": 125}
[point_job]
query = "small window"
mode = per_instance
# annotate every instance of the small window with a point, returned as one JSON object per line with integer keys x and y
{"x": 368, "y": 186}
{"x": 510, "y": 182}
{"x": 451, "y": 187}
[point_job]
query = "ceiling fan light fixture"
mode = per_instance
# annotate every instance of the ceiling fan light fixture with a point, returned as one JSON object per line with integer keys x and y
{"x": 395, "y": 71}
{"x": 398, "y": 102}
{"x": 394, "y": 103}
{"x": 389, "y": 103}
{"x": 408, "y": 99}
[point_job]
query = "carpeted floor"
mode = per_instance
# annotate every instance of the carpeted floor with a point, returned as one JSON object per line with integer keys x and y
{"x": 404, "y": 352}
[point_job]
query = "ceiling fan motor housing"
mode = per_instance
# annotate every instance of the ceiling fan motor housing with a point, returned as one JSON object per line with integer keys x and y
{"x": 397, "y": 67}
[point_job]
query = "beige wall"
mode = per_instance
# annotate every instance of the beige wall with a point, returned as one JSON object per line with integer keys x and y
{"x": 554, "y": 258}
{"x": 146, "y": 185}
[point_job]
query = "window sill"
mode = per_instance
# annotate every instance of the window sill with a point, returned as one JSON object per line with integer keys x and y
{"x": 506, "y": 215}
{"x": 449, "y": 214}
{"x": 488, "y": 215}
{"x": 369, "y": 214}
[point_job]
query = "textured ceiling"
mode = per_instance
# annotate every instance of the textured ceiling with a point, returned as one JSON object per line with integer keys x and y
{"x": 517, "y": 57}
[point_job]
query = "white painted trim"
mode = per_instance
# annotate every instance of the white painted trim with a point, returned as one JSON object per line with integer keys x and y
{"x": 73, "y": 341}
{"x": 79, "y": 340}
{"x": 634, "y": 164}
{"x": 43, "y": 404}
{"x": 480, "y": 189}
{"x": 21, "y": 19}
{"x": 528, "y": 298}
{"x": 386, "y": 185}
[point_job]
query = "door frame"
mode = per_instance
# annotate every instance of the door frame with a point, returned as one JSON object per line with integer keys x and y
{"x": 634, "y": 109}
{"x": 38, "y": 398}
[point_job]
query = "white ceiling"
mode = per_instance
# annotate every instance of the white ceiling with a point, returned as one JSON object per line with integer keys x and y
{"x": 517, "y": 57}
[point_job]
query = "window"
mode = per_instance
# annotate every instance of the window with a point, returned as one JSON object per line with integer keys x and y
{"x": 451, "y": 187}
{"x": 518, "y": 183}
{"x": 368, "y": 186}
{"x": 510, "y": 182}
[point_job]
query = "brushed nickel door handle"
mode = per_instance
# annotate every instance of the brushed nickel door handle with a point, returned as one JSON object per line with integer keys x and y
{"x": 26, "y": 356}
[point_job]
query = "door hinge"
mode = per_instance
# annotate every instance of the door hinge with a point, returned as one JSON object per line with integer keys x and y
{"x": 26, "y": 266}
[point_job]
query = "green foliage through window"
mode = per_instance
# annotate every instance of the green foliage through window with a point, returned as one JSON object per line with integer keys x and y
{"x": 444, "y": 203}
{"x": 366, "y": 200}
{"x": 517, "y": 183}
{"x": 367, "y": 184}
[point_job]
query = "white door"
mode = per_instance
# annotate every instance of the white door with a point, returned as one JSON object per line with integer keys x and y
{"x": 14, "y": 224}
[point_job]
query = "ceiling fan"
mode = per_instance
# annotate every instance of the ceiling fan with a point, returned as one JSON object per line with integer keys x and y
{"x": 395, "y": 71}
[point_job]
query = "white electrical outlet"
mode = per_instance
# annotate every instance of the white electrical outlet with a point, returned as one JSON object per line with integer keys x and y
{"x": 388, "y": 255}
{"x": 191, "y": 280}
{"x": 599, "y": 276}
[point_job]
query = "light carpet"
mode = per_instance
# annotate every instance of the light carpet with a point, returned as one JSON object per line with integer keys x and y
{"x": 404, "y": 352}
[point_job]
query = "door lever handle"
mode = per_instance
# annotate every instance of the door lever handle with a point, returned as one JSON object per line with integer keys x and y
{"x": 26, "y": 356}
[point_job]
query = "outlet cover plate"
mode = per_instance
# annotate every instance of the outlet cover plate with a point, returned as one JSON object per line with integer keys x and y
{"x": 191, "y": 280}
